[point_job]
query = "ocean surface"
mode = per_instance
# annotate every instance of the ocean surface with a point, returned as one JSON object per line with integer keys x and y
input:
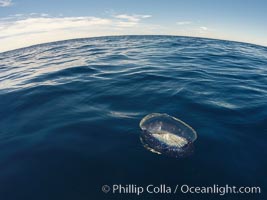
{"x": 70, "y": 113}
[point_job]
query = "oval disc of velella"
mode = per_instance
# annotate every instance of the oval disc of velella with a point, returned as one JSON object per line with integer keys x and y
{"x": 164, "y": 134}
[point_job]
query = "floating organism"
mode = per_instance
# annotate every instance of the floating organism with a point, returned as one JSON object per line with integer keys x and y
{"x": 164, "y": 134}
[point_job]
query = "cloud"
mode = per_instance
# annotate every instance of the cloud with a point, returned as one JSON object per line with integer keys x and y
{"x": 22, "y": 30}
{"x": 44, "y": 24}
{"x": 129, "y": 20}
{"x": 184, "y": 23}
{"x": 203, "y": 28}
{"x": 133, "y": 18}
{"x": 44, "y": 15}
{"x": 5, "y": 3}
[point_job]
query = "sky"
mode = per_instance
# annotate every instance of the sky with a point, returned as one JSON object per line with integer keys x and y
{"x": 29, "y": 22}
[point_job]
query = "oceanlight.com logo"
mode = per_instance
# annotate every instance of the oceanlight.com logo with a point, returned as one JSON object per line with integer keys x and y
{"x": 221, "y": 190}
{"x": 182, "y": 189}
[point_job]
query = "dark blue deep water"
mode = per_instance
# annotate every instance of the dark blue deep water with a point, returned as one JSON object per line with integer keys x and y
{"x": 69, "y": 115}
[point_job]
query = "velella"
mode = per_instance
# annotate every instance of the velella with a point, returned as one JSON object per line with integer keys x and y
{"x": 164, "y": 134}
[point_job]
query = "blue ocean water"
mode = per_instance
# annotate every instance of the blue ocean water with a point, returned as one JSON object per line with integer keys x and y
{"x": 69, "y": 115}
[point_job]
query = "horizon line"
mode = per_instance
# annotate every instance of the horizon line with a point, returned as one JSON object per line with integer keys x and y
{"x": 120, "y": 35}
